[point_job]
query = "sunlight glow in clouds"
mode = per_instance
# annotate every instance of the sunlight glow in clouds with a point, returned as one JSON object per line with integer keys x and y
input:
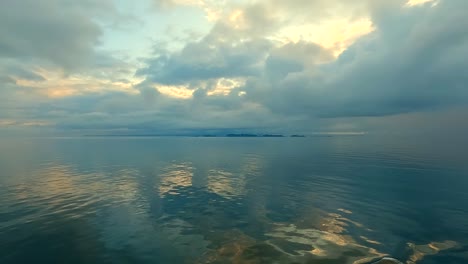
{"x": 419, "y": 2}
{"x": 213, "y": 9}
{"x": 181, "y": 91}
{"x": 224, "y": 86}
{"x": 55, "y": 85}
{"x": 15, "y": 123}
{"x": 260, "y": 65}
{"x": 335, "y": 34}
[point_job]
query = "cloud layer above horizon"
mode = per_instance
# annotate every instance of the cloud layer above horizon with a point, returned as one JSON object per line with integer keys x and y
{"x": 205, "y": 66}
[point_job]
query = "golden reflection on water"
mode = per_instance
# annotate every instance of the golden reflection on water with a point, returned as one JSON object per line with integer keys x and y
{"x": 225, "y": 184}
{"x": 314, "y": 235}
{"x": 229, "y": 184}
{"x": 328, "y": 242}
{"x": 62, "y": 185}
{"x": 175, "y": 176}
{"x": 288, "y": 243}
{"x": 344, "y": 211}
{"x": 252, "y": 165}
{"x": 370, "y": 241}
{"x": 433, "y": 248}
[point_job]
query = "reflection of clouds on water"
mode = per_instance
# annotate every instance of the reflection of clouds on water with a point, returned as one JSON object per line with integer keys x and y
{"x": 206, "y": 210}
{"x": 288, "y": 243}
{"x": 229, "y": 184}
{"x": 230, "y": 248}
{"x": 388, "y": 260}
{"x": 321, "y": 245}
{"x": 225, "y": 184}
{"x": 230, "y": 208}
{"x": 62, "y": 205}
{"x": 123, "y": 226}
{"x": 252, "y": 165}
{"x": 175, "y": 176}
{"x": 335, "y": 223}
{"x": 344, "y": 211}
{"x": 60, "y": 190}
{"x": 433, "y": 248}
{"x": 370, "y": 241}
{"x": 111, "y": 205}
{"x": 328, "y": 241}
{"x": 178, "y": 235}
{"x": 203, "y": 221}
{"x": 126, "y": 228}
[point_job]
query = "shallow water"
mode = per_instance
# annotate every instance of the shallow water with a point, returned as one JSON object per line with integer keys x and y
{"x": 231, "y": 200}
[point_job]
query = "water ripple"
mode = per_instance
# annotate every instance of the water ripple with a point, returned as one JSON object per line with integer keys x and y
{"x": 217, "y": 201}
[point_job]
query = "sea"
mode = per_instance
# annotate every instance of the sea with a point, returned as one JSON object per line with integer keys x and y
{"x": 319, "y": 199}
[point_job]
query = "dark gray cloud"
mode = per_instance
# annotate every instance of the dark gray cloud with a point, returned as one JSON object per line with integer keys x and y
{"x": 132, "y": 113}
{"x": 60, "y": 32}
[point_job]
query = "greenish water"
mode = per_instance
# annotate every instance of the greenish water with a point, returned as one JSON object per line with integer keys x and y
{"x": 231, "y": 200}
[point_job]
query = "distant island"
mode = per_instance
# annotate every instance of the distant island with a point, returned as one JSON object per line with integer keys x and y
{"x": 244, "y": 135}
{"x": 241, "y": 135}
{"x": 233, "y": 135}
{"x": 253, "y": 135}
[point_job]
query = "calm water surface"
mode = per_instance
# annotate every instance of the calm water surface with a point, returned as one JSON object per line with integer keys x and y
{"x": 231, "y": 200}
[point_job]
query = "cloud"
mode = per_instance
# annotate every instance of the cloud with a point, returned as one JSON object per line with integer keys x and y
{"x": 63, "y": 33}
{"x": 410, "y": 63}
{"x": 294, "y": 57}
{"x": 207, "y": 59}
{"x": 121, "y": 111}
{"x": 236, "y": 46}
{"x": 249, "y": 72}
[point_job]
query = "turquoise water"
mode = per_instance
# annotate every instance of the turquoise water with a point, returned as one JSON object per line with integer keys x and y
{"x": 231, "y": 200}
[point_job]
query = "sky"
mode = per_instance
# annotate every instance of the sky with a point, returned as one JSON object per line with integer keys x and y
{"x": 174, "y": 67}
